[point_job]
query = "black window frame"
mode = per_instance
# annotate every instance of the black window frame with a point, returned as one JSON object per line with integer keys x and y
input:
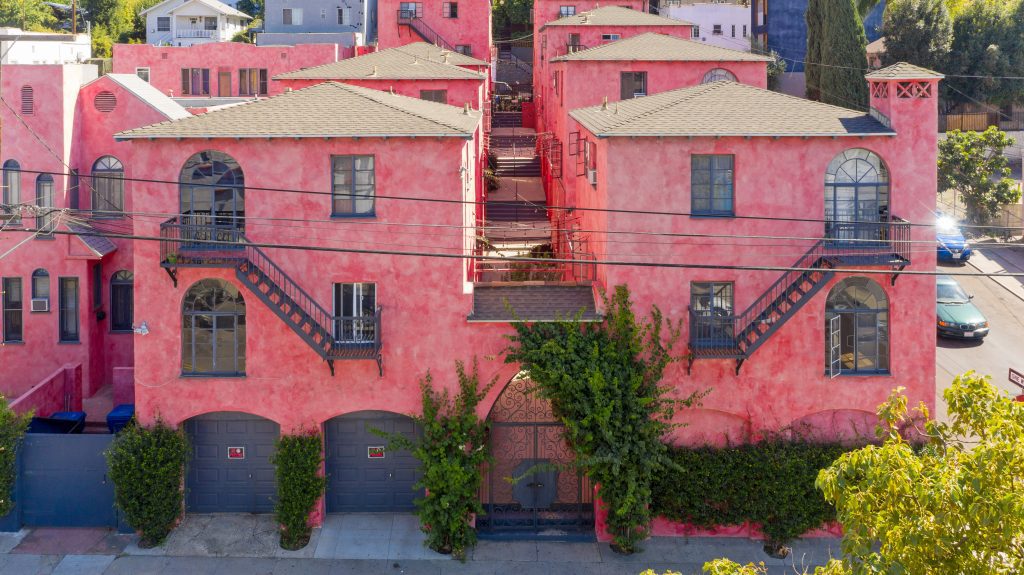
{"x": 716, "y": 29}
{"x": 439, "y": 96}
{"x": 610, "y": 37}
{"x": 710, "y": 194}
{"x": 44, "y": 199}
{"x": 12, "y": 188}
{"x": 122, "y": 301}
{"x": 107, "y": 193}
{"x": 566, "y": 10}
{"x": 188, "y": 87}
{"x": 13, "y": 310}
{"x": 245, "y": 81}
{"x": 881, "y": 317}
{"x": 449, "y": 9}
{"x": 341, "y": 17}
{"x": 68, "y": 325}
{"x": 629, "y": 81}
{"x": 339, "y": 195}
{"x": 222, "y": 292}
{"x": 714, "y": 315}
{"x": 354, "y": 324}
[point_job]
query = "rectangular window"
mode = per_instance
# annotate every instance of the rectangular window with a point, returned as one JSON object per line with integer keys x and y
{"x": 355, "y": 310}
{"x": 450, "y": 10}
{"x": 252, "y": 82}
{"x": 107, "y": 195}
{"x": 323, "y": 13}
{"x": 97, "y": 286}
{"x": 711, "y": 185}
{"x": 163, "y": 23}
{"x": 564, "y": 11}
{"x": 711, "y": 322}
{"x": 696, "y": 31}
{"x": 121, "y": 306}
{"x": 410, "y": 10}
{"x": 210, "y": 23}
{"x": 341, "y": 17}
{"x": 733, "y": 30}
{"x": 716, "y": 30}
{"x": 353, "y": 186}
{"x": 744, "y": 30}
{"x": 610, "y": 37}
{"x": 633, "y": 85}
{"x": 292, "y": 17}
{"x": 73, "y": 189}
{"x": 12, "y": 191}
{"x": 142, "y": 73}
{"x": 68, "y": 309}
{"x": 465, "y": 49}
{"x": 195, "y": 81}
{"x": 14, "y": 302}
{"x": 439, "y": 96}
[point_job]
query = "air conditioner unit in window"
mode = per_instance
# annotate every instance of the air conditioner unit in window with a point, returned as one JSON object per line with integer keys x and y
{"x": 40, "y": 304}
{"x": 592, "y": 176}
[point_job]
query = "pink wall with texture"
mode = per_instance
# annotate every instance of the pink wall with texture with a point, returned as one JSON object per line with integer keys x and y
{"x": 471, "y": 28}
{"x": 166, "y": 62}
{"x": 459, "y": 91}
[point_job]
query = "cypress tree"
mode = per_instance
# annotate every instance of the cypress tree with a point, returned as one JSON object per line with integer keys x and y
{"x": 843, "y": 56}
{"x": 812, "y": 71}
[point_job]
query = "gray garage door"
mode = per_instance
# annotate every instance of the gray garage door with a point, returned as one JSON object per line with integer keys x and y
{"x": 362, "y": 476}
{"x": 64, "y": 481}
{"x": 230, "y": 470}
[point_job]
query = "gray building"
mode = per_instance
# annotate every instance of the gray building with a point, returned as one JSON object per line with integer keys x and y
{"x": 345, "y": 22}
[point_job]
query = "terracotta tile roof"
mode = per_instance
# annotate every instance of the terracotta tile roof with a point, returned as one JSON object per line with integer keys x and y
{"x": 725, "y": 109}
{"x": 615, "y": 16}
{"x": 327, "y": 110}
{"x": 532, "y": 303}
{"x": 903, "y": 71}
{"x": 655, "y": 47}
{"x": 390, "y": 64}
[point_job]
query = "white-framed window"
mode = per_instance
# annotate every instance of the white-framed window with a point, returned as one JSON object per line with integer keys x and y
{"x": 744, "y": 30}
{"x": 696, "y": 32}
{"x": 163, "y": 23}
{"x": 716, "y": 30}
{"x": 355, "y": 310}
{"x": 450, "y": 10}
{"x": 564, "y": 11}
{"x": 341, "y": 17}
{"x": 464, "y": 49}
{"x": 142, "y": 73}
{"x": 733, "y": 30}
{"x": 210, "y": 23}
{"x": 292, "y": 16}
{"x": 610, "y": 37}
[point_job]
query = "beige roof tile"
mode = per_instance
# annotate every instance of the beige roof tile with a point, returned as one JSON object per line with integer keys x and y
{"x": 615, "y": 16}
{"x": 725, "y": 109}
{"x": 654, "y": 47}
{"x": 437, "y": 54}
{"x": 401, "y": 63}
{"x": 903, "y": 71}
{"x": 326, "y": 110}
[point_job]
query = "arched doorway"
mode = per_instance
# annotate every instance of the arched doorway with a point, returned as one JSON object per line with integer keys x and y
{"x": 230, "y": 469}
{"x": 549, "y": 498}
{"x": 362, "y": 474}
{"x": 212, "y": 192}
{"x": 857, "y": 320}
{"x": 856, "y": 197}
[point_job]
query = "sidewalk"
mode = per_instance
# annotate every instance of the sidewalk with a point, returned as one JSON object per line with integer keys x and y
{"x": 364, "y": 545}
{"x": 991, "y": 257}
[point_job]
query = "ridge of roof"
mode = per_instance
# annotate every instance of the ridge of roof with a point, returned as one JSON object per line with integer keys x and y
{"x": 655, "y": 46}
{"x": 425, "y": 48}
{"x": 387, "y": 64}
{"x": 725, "y": 109}
{"x": 615, "y": 15}
{"x": 903, "y": 71}
{"x": 215, "y": 4}
{"x": 327, "y": 109}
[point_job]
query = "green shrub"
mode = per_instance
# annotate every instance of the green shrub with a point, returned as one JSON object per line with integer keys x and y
{"x": 298, "y": 459}
{"x": 147, "y": 466}
{"x": 770, "y": 483}
{"x": 12, "y": 431}
{"x": 451, "y": 452}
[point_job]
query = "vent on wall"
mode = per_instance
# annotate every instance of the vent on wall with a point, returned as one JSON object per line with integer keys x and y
{"x": 27, "y": 100}
{"x": 105, "y": 101}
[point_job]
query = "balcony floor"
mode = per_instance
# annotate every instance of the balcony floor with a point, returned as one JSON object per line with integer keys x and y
{"x": 533, "y": 303}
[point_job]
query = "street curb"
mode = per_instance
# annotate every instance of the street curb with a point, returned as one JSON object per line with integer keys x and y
{"x": 998, "y": 280}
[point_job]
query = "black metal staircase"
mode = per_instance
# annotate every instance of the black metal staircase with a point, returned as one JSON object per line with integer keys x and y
{"x": 416, "y": 24}
{"x": 331, "y": 337}
{"x": 715, "y": 334}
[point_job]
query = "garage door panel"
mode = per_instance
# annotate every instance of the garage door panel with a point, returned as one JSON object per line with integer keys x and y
{"x": 219, "y": 484}
{"x": 357, "y": 482}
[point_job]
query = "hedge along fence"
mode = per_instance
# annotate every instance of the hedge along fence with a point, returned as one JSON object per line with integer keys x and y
{"x": 769, "y": 483}
{"x": 12, "y": 431}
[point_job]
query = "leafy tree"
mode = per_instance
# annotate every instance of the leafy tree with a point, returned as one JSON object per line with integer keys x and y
{"x": 776, "y": 67}
{"x": 917, "y": 31}
{"x": 12, "y": 430}
{"x": 843, "y": 56}
{"x": 982, "y": 49}
{"x": 815, "y": 28}
{"x": 973, "y": 164}
{"x": 451, "y": 452}
{"x": 253, "y": 8}
{"x": 511, "y": 14}
{"x": 604, "y": 384}
{"x": 26, "y": 14}
{"x": 102, "y": 43}
{"x": 954, "y": 505}
{"x": 864, "y": 7}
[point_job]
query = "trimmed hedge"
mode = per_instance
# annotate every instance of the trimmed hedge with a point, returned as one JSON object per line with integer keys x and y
{"x": 297, "y": 459}
{"x": 12, "y": 431}
{"x": 770, "y": 483}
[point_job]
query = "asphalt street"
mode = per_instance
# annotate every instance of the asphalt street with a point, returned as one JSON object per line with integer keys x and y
{"x": 994, "y": 355}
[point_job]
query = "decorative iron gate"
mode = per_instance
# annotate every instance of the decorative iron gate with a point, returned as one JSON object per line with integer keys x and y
{"x": 548, "y": 498}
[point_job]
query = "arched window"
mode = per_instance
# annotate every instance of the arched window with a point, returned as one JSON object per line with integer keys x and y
{"x": 856, "y": 196}
{"x": 44, "y": 199}
{"x": 717, "y": 75}
{"x": 857, "y": 324}
{"x": 12, "y": 188}
{"x": 108, "y": 187}
{"x": 213, "y": 329}
{"x": 212, "y": 193}
{"x": 122, "y": 306}
{"x": 40, "y": 290}
{"x": 28, "y": 106}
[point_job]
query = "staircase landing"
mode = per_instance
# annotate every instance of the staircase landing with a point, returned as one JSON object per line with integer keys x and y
{"x": 521, "y": 302}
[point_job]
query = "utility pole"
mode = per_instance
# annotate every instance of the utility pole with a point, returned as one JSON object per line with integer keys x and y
{"x": 74, "y": 17}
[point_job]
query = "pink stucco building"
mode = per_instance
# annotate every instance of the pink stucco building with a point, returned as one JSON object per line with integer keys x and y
{"x": 220, "y": 69}
{"x": 463, "y": 26}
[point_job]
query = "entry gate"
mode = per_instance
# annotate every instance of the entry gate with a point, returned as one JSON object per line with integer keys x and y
{"x": 546, "y": 497}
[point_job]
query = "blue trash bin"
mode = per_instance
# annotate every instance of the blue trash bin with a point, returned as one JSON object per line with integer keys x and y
{"x": 120, "y": 416}
{"x": 60, "y": 422}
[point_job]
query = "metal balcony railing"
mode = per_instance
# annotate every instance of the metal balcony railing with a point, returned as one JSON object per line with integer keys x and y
{"x": 194, "y": 33}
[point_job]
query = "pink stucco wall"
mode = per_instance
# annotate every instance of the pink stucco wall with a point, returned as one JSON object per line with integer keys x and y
{"x": 165, "y": 62}
{"x": 59, "y": 391}
{"x": 471, "y": 28}
{"x": 545, "y": 11}
{"x": 460, "y": 92}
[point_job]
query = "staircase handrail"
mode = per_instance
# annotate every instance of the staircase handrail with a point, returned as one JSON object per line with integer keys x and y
{"x": 416, "y": 23}
{"x": 815, "y": 256}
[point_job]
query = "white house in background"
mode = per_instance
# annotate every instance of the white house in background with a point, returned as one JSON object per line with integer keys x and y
{"x": 723, "y": 23}
{"x": 44, "y": 47}
{"x": 188, "y": 22}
